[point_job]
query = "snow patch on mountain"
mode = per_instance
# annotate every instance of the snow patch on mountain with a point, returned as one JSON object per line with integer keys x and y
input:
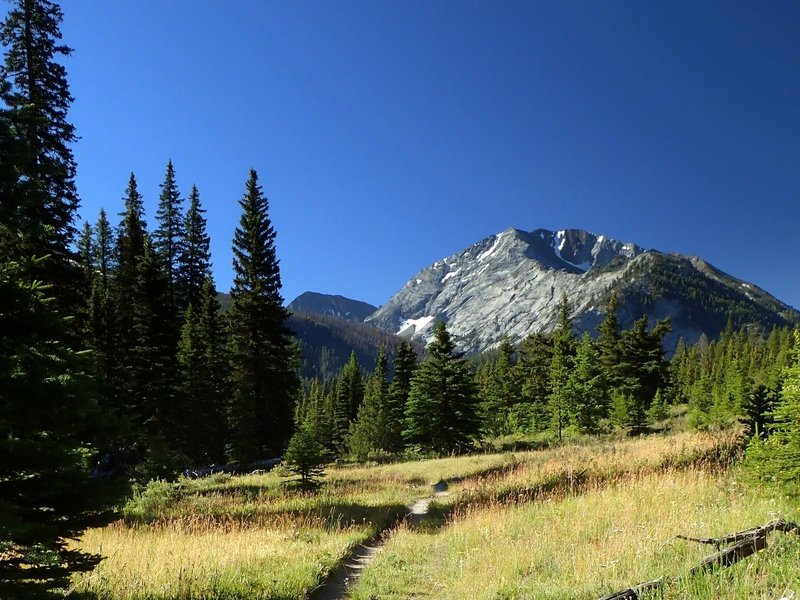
{"x": 410, "y": 327}
{"x": 451, "y": 274}
{"x": 490, "y": 251}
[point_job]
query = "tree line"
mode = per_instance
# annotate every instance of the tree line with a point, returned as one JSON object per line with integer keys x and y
{"x": 113, "y": 347}
{"x": 549, "y": 387}
{"x": 180, "y": 382}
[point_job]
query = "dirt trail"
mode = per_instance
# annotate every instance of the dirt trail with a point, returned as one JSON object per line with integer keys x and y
{"x": 343, "y": 577}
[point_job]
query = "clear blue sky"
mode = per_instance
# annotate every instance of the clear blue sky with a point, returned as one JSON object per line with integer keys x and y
{"x": 389, "y": 134}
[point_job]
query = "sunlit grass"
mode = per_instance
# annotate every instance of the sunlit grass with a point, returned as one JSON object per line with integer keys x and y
{"x": 257, "y": 537}
{"x": 585, "y": 545}
{"x": 254, "y": 536}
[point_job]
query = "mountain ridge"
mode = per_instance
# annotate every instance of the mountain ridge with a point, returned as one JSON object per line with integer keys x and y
{"x": 331, "y": 304}
{"x": 509, "y": 284}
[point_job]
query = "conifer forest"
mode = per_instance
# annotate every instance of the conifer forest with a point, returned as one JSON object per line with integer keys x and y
{"x": 124, "y": 382}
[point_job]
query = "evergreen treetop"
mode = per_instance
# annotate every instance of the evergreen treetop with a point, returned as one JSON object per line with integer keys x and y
{"x": 195, "y": 257}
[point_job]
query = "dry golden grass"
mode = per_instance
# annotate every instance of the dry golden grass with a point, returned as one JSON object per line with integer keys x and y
{"x": 585, "y": 545}
{"x": 255, "y": 537}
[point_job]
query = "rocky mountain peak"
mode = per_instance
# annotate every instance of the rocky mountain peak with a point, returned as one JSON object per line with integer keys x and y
{"x": 509, "y": 284}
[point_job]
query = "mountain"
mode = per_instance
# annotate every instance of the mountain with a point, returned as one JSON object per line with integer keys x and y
{"x": 326, "y": 304}
{"x": 510, "y": 284}
{"x": 326, "y": 342}
{"x": 326, "y": 339}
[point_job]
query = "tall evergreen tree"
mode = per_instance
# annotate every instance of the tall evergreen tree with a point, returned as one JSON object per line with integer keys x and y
{"x": 369, "y": 432}
{"x": 119, "y": 313}
{"x": 39, "y": 99}
{"x": 500, "y": 392}
{"x": 103, "y": 244}
{"x": 588, "y": 388}
{"x": 609, "y": 342}
{"x": 169, "y": 238}
{"x": 643, "y": 367}
{"x": 86, "y": 253}
{"x": 157, "y": 405}
{"x": 758, "y": 411}
{"x": 778, "y": 459}
{"x": 47, "y": 413}
{"x": 442, "y": 409}
{"x": 534, "y": 373}
{"x": 349, "y": 396}
{"x": 560, "y": 399}
{"x": 405, "y": 363}
{"x": 317, "y": 414}
{"x": 262, "y": 352}
{"x": 195, "y": 257}
{"x": 201, "y": 383}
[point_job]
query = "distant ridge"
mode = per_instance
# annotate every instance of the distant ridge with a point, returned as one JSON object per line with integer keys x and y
{"x": 326, "y": 342}
{"x": 327, "y": 304}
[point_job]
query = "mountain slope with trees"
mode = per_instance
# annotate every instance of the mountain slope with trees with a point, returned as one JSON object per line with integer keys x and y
{"x": 328, "y": 304}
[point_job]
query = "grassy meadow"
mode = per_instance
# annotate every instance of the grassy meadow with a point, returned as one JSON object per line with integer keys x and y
{"x": 589, "y": 544}
{"x": 575, "y": 521}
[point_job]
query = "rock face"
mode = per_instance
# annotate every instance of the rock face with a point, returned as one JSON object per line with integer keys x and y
{"x": 510, "y": 284}
{"x": 327, "y": 304}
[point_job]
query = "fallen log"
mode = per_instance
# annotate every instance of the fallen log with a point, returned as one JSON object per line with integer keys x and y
{"x": 754, "y": 540}
{"x": 733, "y": 554}
{"x": 632, "y": 593}
{"x": 774, "y": 525}
{"x": 745, "y": 543}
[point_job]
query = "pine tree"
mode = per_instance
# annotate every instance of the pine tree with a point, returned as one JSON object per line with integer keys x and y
{"x": 658, "y": 409}
{"x": 500, "y": 392}
{"x": 86, "y": 257}
{"x": 588, "y": 387}
{"x": 349, "y": 396}
{"x": 758, "y": 411}
{"x": 116, "y": 310}
{"x": 729, "y": 394}
{"x": 623, "y": 410}
{"x": 39, "y": 99}
{"x": 561, "y": 396}
{"x": 369, "y": 432}
{"x": 46, "y": 415}
{"x": 195, "y": 258}
{"x": 643, "y": 368}
{"x": 681, "y": 373}
{"x": 405, "y": 363}
{"x": 169, "y": 238}
{"x": 214, "y": 363}
{"x": 262, "y": 353}
{"x": 305, "y": 456}
{"x": 534, "y": 373}
{"x": 99, "y": 336}
{"x": 442, "y": 409}
{"x": 316, "y": 414}
{"x": 159, "y": 408}
{"x": 778, "y": 459}
{"x": 609, "y": 343}
{"x": 103, "y": 244}
{"x": 200, "y": 431}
